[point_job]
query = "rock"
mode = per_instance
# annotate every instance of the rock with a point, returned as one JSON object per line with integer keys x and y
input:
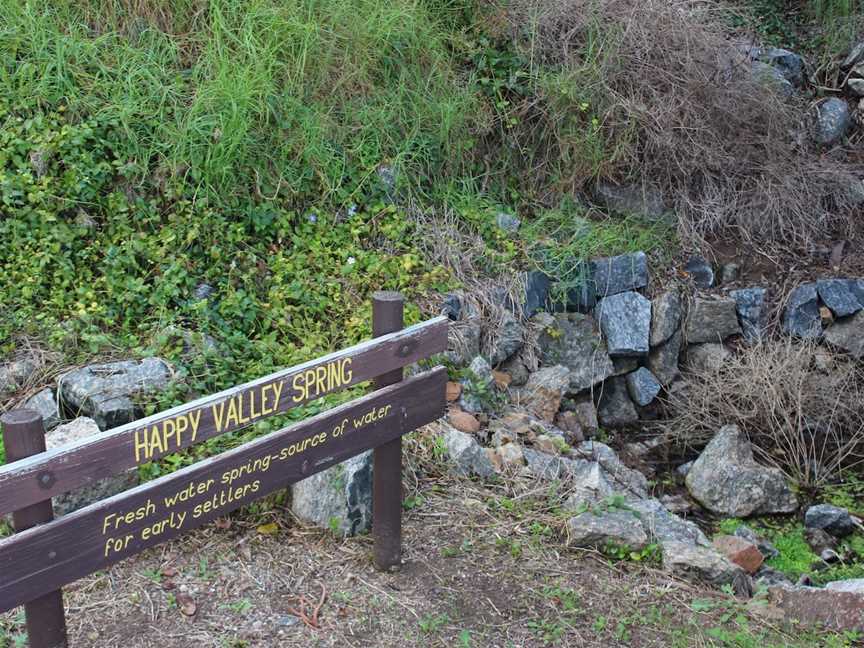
{"x": 615, "y": 409}
{"x": 767, "y": 549}
{"x": 725, "y": 479}
{"x": 729, "y": 272}
{"x": 537, "y": 299}
{"x": 769, "y": 577}
{"x": 712, "y": 320}
{"x": 620, "y": 528}
{"x": 835, "y": 610}
{"x": 699, "y": 563}
{"x": 543, "y": 393}
{"x": 831, "y": 121}
{"x": 848, "y": 335}
{"x": 839, "y": 295}
{"x": 466, "y": 454}
{"x": 463, "y": 421}
{"x": 624, "y": 273}
{"x": 771, "y": 77}
{"x": 789, "y": 64}
{"x": 481, "y": 372}
{"x": 105, "y": 392}
{"x": 202, "y": 291}
{"x": 625, "y": 364}
{"x": 676, "y": 503}
{"x": 339, "y": 498}
{"x": 520, "y": 425}
{"x": 743, "y": 553}
{"x": 701, "y": 272}
{"x": 454, "y": 391}
{"x": 46, "y": 404}
{"x": 801, "y": 317}
{"x": 666, "y": 312}
{"x": 853, "y": 585}
{"x": 502, "y": 379}
{"x": 548, "y": 467}
{"x": 508, "y": 338}
{"x": 571, "y": 339}
{"x": 625, "y": 320}
{"x": 507, "y": 222}
{"x": 591, "y": 485}
{"x": 833, "y": 519}
{"x": 750, "y": 304}
{"x": 74, "y": 431}
{"x": 620, "y": 477}
{"x": 663, "y": 359}
{"x": 631, "y": 200}
{"x": 582, "y": 296}
{"x": 707, "y": 358}
{"x": 642, "y": 386}
{"x": 819, "y": 540}
{"x": 855, "y": 56}
{"x": 663, "y": 526}
{"x": 546, "y": 444}
{"x": 452, "y": 306}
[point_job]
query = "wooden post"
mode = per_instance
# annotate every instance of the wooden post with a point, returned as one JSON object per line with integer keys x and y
{"x": 24, "y": 436}
{"x": 387, "y": 316}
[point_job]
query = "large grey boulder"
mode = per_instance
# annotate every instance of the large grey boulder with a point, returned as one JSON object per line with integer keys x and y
{"x": 840, "y": 296}
{"x": 465, "y": 453}
{"x": 625, "y": 320}
{"x": 666, "y": 313}
{"x": 599, "y": 529}
{"x": 572, "y": 340}
{"x": 789, "y": 64}
{"x": 771, "y": 77}
{"x": 643, "y": 386}
{"x": 711, "y": 320}
{"x": 45, "y": 403}
{"x": 631, "y": 200}
{"x": 750, "y": 306}
{"x": 801, "y": 317}
{"x": 107, "y": 392}
{"x": 695, "y": 562}
{"x": 848, "y": 335}
{"x": 508, "y": 338}
{"x": 614, "y": 408}
{"x": 832, "y": 121}
{"x": 76, "y": 430}
{"x": 618, "y": 274}
{"x": 833, "y": 519}
{"x": 726, "y": 479}
{"x": 339, "y": 498}
{"x": 663, "y": 359}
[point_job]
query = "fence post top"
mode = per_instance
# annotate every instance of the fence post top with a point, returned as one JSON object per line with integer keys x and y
{"x": 20, "y": 417}
{"x": 387, "y": 295}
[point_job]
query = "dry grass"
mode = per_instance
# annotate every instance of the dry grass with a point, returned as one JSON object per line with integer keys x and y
{"x": 807, "y": 421}
{"x": 676, "y": 107}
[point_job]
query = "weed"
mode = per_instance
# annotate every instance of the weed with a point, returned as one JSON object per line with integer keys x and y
{"x": 433, "y": 622}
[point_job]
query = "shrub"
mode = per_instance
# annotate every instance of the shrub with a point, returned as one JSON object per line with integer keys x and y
{"x": 807, "y": 422}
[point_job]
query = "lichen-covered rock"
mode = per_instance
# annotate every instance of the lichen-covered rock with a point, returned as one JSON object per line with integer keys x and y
{"x": 463, "y": 341}
{"x": 726, "y": 479}
{"x": 839, "y": 295}
{"x": 624, "y": 273}
{"x": 508, "y": 338}
{"x": 16, "y": 374}
{"x": 666, "y": 312}
{"x": 789, "y": 64}
{"x": 823, "y": 607}
{"x": 572, "y": 340}
{"x": 833, "y": 519}
{"x": 621, "y": 528}
{"x": 631, "y": 200}
{"x": 625, "y": 320}
{"x": 45, "y": 403}
{"x": 107, "y": 392}
{"x": 80, "y": 429}
{"x": 848, "y": 335}
{"x": 801, "y": 317}
{"x": 701, "y": 272}
{"x": 740, "y": 551}
{"x": 750, "y": 305}
{"x": 615, "y": 409}
{"x": 339, "y": 498}
{"x": 663, "y": 526}
{"x": 712, "y": 320}
{"x": 642, "y": 386}
{"x": 708, "y": 357}
{"x": 700, "y": 563}
{"x": 831, "y": 121}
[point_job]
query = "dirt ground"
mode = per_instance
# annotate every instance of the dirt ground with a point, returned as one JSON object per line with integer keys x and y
{"x": 483, "y": 566}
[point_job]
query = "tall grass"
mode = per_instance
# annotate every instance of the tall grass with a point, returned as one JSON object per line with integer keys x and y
{"x": 271, "y": 97}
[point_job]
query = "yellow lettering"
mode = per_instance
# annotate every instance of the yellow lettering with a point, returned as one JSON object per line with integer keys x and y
{"x": 347, "y": 374}
{"x": 299, "y": 388}
{"x": 218, "y": 412}
{"x": 140, "y": 445}
{"x": 195, "y": 419}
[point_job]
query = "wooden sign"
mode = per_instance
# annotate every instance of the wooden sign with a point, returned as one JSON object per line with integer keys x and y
{"x": 42, "y": 559}
{"x": 57, "y": 471}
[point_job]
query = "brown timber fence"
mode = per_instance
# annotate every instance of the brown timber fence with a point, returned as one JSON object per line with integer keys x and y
{"x": 45, "y": 554}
